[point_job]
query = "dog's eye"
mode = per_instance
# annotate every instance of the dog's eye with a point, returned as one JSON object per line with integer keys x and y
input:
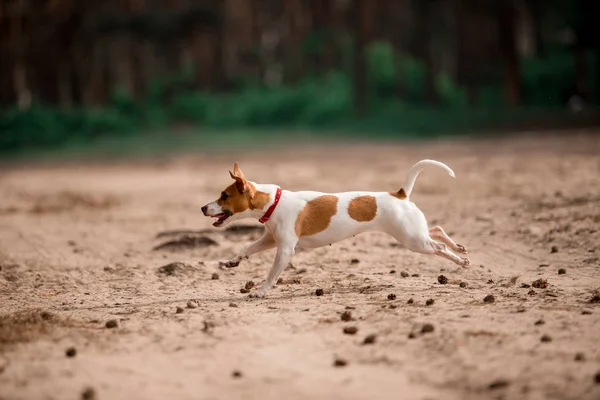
{"x": 224, "y": 196}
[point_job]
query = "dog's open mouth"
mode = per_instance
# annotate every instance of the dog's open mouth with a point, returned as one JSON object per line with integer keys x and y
{"x": 221, "y": 218}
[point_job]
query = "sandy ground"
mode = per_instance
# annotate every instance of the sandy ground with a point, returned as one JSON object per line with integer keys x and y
{"x": 77, "y": 250}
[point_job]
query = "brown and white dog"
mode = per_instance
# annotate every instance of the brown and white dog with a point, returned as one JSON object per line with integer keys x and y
{"x": 315, "y": 219}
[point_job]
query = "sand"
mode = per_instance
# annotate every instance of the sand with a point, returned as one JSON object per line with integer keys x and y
{"x": 77, "y": 249}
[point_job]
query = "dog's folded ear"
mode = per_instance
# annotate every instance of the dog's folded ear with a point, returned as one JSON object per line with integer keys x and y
{"x": 240, "y": 179}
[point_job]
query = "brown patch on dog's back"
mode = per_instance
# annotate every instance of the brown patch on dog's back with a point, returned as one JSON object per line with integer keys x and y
{"x": 362, "y": 208}
{"x": 400, "y": 194}
{"x": 316, "y": 215}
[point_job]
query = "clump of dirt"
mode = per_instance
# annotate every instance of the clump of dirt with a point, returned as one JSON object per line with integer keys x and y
{"x": 236, "y": 374}
{"x": 346, "y": 316}
{"x": 540, "y": 283}
{"x": 71, "y": 352}
{"x": 489, "y": 298}
{"x": 391, "y": 296}
{"x": 545, "y": 339}
{"x": 429, "y": 302}
{"x": 579, "y": 357}
{"x": 463, "y": 284}
{"x": 595, "y": 299}
{"x": 539, "y": 322}
{"x": 319, "y": 292}
{"x": 442, "y": 280}
{"x": 177, "y": 268}
{"x": 410, "y": 301}
{"x": 249, "y": 285}
{"x": 498, "y": 384}
{"x": 554, "y": 249}
{"x": 370, "y": 339}
{"x": 88, "y": 394}
{"x": 340, "y": 362}
{"x": 354, "y": 261}
{"x": 350, "y": 330}
{"x": 186, "y": 242}
{"x": 111, "y": 324}
{"x": 215, "y": 276}
{"x": 427, "y": 328}
{"x": 404, "y": 274}
{"x": 192, "y": 304}
{"x": 562, "y": 271}
{"x": 27, "y": 326}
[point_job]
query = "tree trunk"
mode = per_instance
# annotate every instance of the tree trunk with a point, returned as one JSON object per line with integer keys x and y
{"x": 65, "y": 85}
{"x": 19, "y": 73}
{"x": 423, "y": 47}
{"x": 508, "y": 48}
{"x": 360, "y": 66}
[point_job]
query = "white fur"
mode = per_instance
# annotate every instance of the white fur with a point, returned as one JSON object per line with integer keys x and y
{"x": 398, "y": 218}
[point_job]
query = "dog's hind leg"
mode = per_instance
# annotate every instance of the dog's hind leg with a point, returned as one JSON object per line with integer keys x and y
{"x": 438, "y": 233}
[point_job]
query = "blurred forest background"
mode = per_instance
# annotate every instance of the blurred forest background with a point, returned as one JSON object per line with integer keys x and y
{"x": 75, "y": 70}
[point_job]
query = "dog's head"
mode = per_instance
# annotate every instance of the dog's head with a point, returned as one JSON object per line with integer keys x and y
{"x": 236, "y": 201}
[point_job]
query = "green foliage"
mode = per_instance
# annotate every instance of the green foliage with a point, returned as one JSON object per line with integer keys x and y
{"x": 316, "y": 103}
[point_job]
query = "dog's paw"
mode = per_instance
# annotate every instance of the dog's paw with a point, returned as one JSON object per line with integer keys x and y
{"x": 465, "y": 262}
{"x": 230, "y": 264}
{"x": 259, "y": 294}
{"x": 461, "y": 249}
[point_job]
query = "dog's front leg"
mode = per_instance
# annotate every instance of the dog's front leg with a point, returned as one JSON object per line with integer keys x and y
{"x": 266, "y": 242}
{"x": 282, "y": 259}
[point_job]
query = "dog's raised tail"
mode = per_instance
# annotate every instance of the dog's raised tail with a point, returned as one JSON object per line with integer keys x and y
{"x": 415, "y": 170}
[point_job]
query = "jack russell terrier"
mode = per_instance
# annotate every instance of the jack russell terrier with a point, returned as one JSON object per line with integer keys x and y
{"x": 315, "y": 219}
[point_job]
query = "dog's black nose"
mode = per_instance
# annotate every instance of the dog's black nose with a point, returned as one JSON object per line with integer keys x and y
{"x": 204, "y": 209}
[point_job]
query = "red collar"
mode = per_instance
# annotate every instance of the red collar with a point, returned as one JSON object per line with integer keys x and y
{"x": 267, "y": 215}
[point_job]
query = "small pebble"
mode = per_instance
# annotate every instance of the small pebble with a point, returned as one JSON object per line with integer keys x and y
{"x": 392, "y": 306}
{"x": 489, "y": 298}
{"x": 429, "y": 302}
{"x": 540, "y": 322}
{"x": 412, "y": 335}
{"x": 391, "y": 296}
{"x": 416, "y": 275}
{"x": 192, "y": 304}
{"x": 393, "y": 271}
{"x": 243, "y": 290}
{"x": 525, "y": 285}
{"x": 410, "y": 301}
{"x": 532, "y": 292}
{"x": 579, "y": 357}
{"x": 112, "y": 323}
{"x": 354, "y": 261}
{"x": 499, "y": 384}
{"x": 597, "y": 378}
{"x": 88, "y": 394}
{"x": 427, "y": 328}
{"x": 179, "y": 310}
{"x": 215, "y": 276}
{"x": 249, "y": 285}
{"x": 350, "y": 330}
{"x": 319, "y": 292}
{"x": 562, "y": 271}
{"x": 554, "y": 249}
{"x": 545, "y": 339}
{"x": 442, "y": 280}
{"x": 404, "y": 274}
{"x": 71, "y": 352}
{"x": 233, "y": 305}
{"x": 463, "y": 284}
{"x": 346, "y": 316}
{"x": 594, "y": 299}
{"x": 586, "y": 312}
{"x": 370, "y": 339}
{"x": 236, "y": 374}
{"x": 340, "y": 362}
